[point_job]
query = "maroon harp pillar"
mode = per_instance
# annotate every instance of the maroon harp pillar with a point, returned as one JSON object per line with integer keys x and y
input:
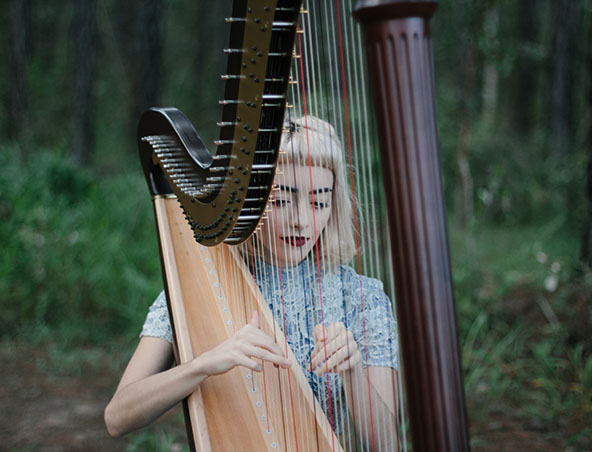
{"x": 399, "y": 56}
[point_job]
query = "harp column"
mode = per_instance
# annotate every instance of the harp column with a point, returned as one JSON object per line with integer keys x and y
{"x": 399, "y": 56}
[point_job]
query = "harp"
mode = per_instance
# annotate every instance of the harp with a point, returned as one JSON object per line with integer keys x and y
{"x": 206, "y": 202}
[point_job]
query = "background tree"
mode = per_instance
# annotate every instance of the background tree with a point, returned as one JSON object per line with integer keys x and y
{"x": 586, "y": 249}
{"x": 146, "y": 75}
{"x": 526, "y": 72}
{"x": 17, "y": 124}
{"x": 565, "y": 16}
{"x": 138, "y": 26}
{"x": 84, "y": 43}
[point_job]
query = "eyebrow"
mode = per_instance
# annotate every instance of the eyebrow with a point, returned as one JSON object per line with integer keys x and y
{"x": 295, "y": 190}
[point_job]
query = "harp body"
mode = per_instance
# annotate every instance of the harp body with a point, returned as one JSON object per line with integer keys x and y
{"x": 207, "y": 291}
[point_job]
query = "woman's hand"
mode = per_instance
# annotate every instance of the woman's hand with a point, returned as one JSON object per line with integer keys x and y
{"x": 335, "y": 349}
{"x": 240, "y": 350}
{"x": 148, "y": 388}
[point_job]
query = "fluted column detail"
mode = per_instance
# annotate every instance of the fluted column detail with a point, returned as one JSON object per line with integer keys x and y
{"x": 399, "y": 55}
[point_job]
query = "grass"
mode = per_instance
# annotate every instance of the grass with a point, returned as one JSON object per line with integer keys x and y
{"x": 523, "y": 306}
{"x": 155, "y": 441}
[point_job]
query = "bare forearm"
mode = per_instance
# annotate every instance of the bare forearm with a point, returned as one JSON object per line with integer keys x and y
{"x": 141, "y": 402}
{"x": 147, "y": 389}
{"x": 373, "y": 402}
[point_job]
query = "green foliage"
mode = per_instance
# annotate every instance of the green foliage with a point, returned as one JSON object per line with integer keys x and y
{"x": 147, "y": 441}
{"x": 525, "y": 347}
{"x": 168, "y": 433}
{"x": 79, "y": 251}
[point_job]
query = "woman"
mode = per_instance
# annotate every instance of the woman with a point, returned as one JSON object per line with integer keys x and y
{"x": 338, "y": 324}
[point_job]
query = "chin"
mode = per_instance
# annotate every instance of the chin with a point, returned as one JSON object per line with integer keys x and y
{"x": 291, "y": 261}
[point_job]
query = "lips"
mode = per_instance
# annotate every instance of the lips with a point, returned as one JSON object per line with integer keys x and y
{"x": 295, "y": 240}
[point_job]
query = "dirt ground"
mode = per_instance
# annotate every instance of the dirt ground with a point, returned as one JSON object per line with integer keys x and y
{"x": 48, "y": 410}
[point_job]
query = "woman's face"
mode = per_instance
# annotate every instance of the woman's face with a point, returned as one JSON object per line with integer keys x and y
{"x": 300, "y": 211}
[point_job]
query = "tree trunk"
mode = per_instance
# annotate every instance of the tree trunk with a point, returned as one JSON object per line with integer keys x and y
{"x": 586, "y": 250}
{"x": 490, "y": 87}
{"x": 147, "y": 71}
{"x": 565, "y": 17}
{"x": 85, "y": 51}
{"x": 124, "y": 19}
{"x": 464, "y": 196}
{"x": 526, "y": 73}
{"x": 19, "y": 35}
{"x": 138, "y": 28}
{"x": 211, "y": 36}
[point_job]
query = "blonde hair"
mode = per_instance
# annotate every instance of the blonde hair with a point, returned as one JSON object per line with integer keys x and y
{"x": 310, "y": 141}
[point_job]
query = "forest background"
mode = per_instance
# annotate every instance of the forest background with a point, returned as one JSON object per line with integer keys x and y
{"x": 79, "y": 261}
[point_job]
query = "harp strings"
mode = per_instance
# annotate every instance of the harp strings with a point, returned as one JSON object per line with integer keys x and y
{"x": 308, "y": 73}
{"x": 329, "y": 84}
{"x": 307, "y": 160}
{"x": 345, "y": 78}
{"x": 338, "y": 59}
{"x": 310, "y": 81}
{"x": 325, "y": 104}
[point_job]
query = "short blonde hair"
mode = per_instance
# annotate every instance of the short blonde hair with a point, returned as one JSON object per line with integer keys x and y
{"x": 310, "y": 141}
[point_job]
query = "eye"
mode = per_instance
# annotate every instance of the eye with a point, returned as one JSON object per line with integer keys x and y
{"x": 279, "y": 202}
{"x": 320, "y": 205}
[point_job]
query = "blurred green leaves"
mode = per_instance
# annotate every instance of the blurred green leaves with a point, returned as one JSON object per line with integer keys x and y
{"x": 79, "y": 251}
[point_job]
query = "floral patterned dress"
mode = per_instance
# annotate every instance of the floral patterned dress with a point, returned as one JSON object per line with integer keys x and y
{"x": 302, "y": 297}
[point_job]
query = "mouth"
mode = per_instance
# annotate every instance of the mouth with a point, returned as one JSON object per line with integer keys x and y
{"x": 295, "y": 240}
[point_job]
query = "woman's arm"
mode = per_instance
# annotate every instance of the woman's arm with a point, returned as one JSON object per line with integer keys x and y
{"x": 147, "y": 389}
{"x": 371, "y": 393}
{"x": 374, "y": 390}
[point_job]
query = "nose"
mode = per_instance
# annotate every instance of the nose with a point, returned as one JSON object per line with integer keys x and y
{"x": 302, "y": 215}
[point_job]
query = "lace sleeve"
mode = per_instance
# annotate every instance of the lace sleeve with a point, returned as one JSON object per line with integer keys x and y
{"x": 157, "y": 323}
{"x": 375, "y": 330}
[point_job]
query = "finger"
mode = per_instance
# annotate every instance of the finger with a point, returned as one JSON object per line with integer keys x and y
{"x": 340, "y": 362}
{"x": 323, "y": 351}
{"x": 266, "y": 355}
{"x": 332, "y": 361}
{"x": 333, "y": 330}
{"x": 259, "y": 339}
{"x": 319, "y": 333}
{"x": 255, "y": 321}
{"x": 335, "y": 360}
{"x": 251, "y": 344}
{"x": 247, "y": 362}
{"x": 341, "y": 348}
{"x": 324, "y": 335}
{"x": 350, "y": 363}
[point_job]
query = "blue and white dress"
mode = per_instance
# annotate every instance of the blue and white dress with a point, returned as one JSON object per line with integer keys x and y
{"x": 338, "y": 298}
